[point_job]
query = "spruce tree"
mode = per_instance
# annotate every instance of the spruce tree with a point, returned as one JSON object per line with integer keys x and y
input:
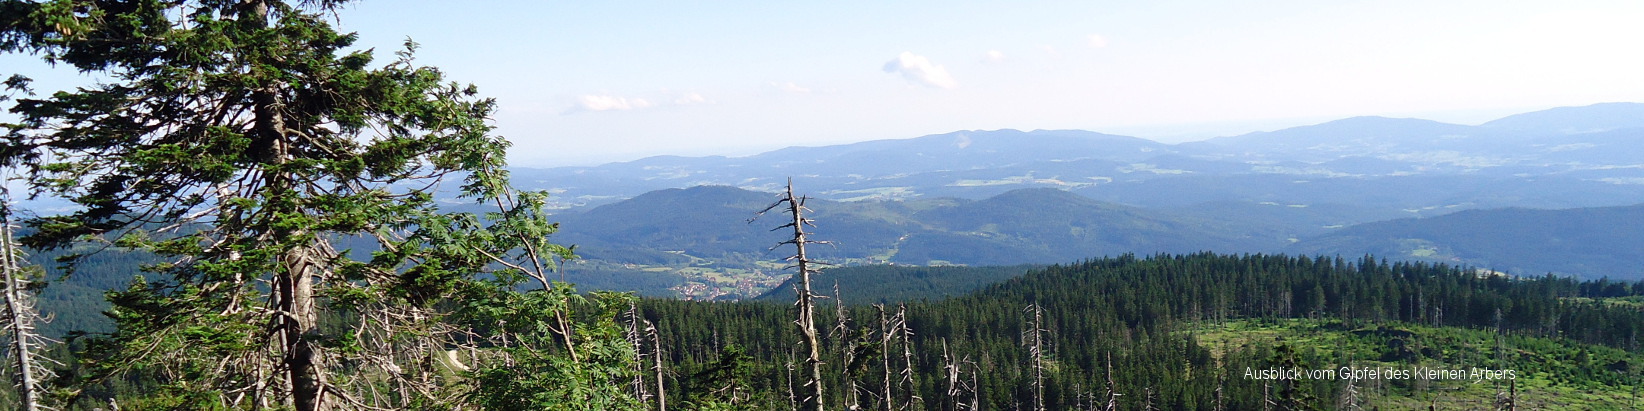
{"x": 288, "y": 186}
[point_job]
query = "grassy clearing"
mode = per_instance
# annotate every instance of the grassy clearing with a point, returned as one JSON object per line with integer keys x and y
{"x": 1635, "y": 302}
{"x": 1549, "y": 373}
{"x": 1023, "y": 179}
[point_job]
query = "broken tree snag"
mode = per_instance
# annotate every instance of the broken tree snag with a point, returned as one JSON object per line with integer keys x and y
{"x": 805, "y": 300}
{"x": 20, "y": 315}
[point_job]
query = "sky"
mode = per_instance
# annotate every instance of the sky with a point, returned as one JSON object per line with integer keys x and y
{"x": 582, "y": 83}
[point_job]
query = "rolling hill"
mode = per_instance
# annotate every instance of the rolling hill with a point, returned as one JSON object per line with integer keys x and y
{"x": 1586, "y": 242}
{"x": 701, "y": 235}
{"x": 1017, "y": 227}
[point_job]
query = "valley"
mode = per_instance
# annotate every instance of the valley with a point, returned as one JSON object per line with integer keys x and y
{"x": 1401, "y": 188}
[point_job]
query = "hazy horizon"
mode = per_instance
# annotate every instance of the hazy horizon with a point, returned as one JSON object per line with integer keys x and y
{"x": 582, "y": 84}
{"x": 1162, "y": 133}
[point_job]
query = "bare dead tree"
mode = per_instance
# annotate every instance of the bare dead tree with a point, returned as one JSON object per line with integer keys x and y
{"x": 910, "y": 390}
{"x": 1220, "y": 396}
{"x": 805, "y": 299}
{"x": 793, "y": 398}
{"x": 957, "y": 385}
{"x": 1033, "y": 338}
{"x": 841, "y": 333}
{"x": 1112, "y": 388}
{"x": 656, "y": 358}
{"x": 887, "y": 400}
{"x": 20, "y": 315}
{"x": 1508, "y": 400}
{"x": 950, "y": 371}
{"x": 1267, "y": 397}
{"x": 1350, "y": 394}
{"x": 1079, "y": 396}
{"x": 634, "y": 335}
{"x": 975, "y": 386}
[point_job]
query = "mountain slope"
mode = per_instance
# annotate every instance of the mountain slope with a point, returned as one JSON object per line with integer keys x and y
{"x": 961, "y": 150}
{"x": 1048, "y": 226}
{"x": 1573, "y": 120}
{"x": 708, "y": 226}
{"x": 1589, "y": 242}
{"x": 1355, "y": 136}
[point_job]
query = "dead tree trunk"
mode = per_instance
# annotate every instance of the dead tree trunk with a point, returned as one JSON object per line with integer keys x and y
{"x": 975, "y": 387}
{"x": 656, "y": 358}
{"x": 20, "y": 316}
{"x": 957, "y": 386}
{"x": 951, "y": 371}
{"x": 1112, "y": 388}
{"x": 886, "y": 331}
{"x": 805, "y": 299}
{"x": 632, "y": 333}
{"x": 910, "y": 388}
{"x": 842, "y": 334}
{"x": 793, "y": 398}
{"x": 1220, "y": 405}
{"x": 1034, "y": 339}
{"x": 1349, "y": 400}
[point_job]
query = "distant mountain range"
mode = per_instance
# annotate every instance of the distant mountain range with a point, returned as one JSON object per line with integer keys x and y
{"x": 1353, "y": 186}
{"x": 1559, "y": 158}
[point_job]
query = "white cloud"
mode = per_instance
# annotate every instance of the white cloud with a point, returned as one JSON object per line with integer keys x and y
{"x": 919, "y": 69}
{"x": 1096, "y": 41}
{"x": 993, "y": 56}
{"x": 791, "y": 87}
{"x": 592, "y": 102}
{"x": 605, "y": 102}
{"x": 690, "y": 98}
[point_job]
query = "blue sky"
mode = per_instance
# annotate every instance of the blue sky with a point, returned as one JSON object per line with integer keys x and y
{"x": 588, "y": 82}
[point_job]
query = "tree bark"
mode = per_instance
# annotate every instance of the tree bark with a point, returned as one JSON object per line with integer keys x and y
{"x": 805, "y": 299}
{"x": 296, "y": 295}
{"x": 293, "y": 278}
{"x": 19, "y": 314}
{"x": 807, "y": 308}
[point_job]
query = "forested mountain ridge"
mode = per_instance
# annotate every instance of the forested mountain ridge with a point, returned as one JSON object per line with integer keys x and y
{"x": 1339, "y": 139}
{"x": 1573, "y": 120}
